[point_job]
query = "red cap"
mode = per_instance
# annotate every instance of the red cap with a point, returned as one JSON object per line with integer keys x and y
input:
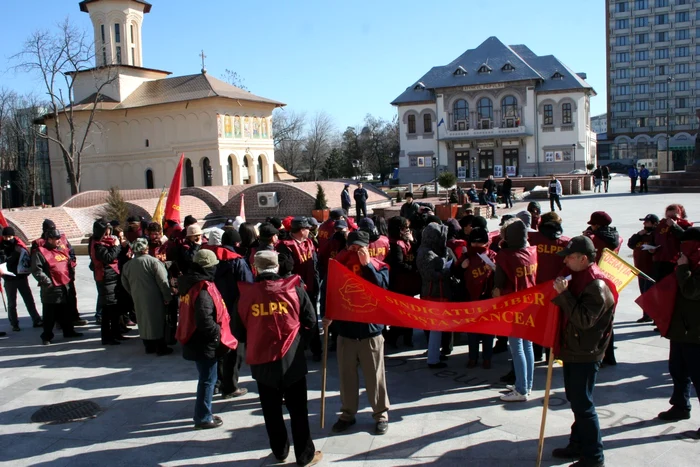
{"x": 600, "y": 218}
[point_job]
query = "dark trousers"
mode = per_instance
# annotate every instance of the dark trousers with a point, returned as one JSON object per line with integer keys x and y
{"x": 606, "y": 184}
{"x": 73, "y": 301}
{"x": 684, "y": 366}
{"x": 315, "y": 344}
{"x": 663, "y": 269}
{"x": 554, "y": 199}
{"x": 610, "y": 350}
{"x": 361, "y": 209}
{"x": 154, "y": 345}
{"x": 229, "y": 369}
{"x": 538, "y": 351}
{"x": 486, "y": 341}
{"x": 633, "y": 184}
{"x": 643, "y": 187}
{"x": 579, "y": 383}
{"x": 20, "y": 284}
{"x": 508, "y": 199}
{"x": 98, "y": 303}
{"x": 57, "y": 312}
{"x": 396, "y": 331}
{"x": 110, "y": 323}
{"x": 295, "y": 398}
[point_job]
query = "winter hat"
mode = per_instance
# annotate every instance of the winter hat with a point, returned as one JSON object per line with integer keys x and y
{"x": 506, "y": 217}
{"x": 480, "y": 222}
{"x": 266, "y": 261}
{"x": 534, "y": 206}
{"x": 53, "y": 233}
{"x": 8, "y": 232}
{"x": 466, "y": 221}
{"x": 275, "y": 221}
{"x": 358, "y": 237}
{"x": 299, "y": 223}
{"x": 526, "y": 217}
{"x": 601, "y": 218}
{"x": 453, "y": 228}
{"x": 230, "y": 238}
{"x": 267, "y": 230}
{"x": 515, "y": 234}
{"x": 189, "y": 220}
{"x": 367, "y": 225}
{"x": 194, "y": 229}
{"x": 98, "y": 229}
{"x": 205, "y": 258}
{"x": 47, "y": 225}
{"x": 215, "y": 236}
{"x": 340, "y": 224}
{"x": 478, "y": 235}
{"x": 337, "y": 213}
{"x": 551, "y": 217}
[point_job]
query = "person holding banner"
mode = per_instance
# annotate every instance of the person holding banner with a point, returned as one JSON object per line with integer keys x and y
{"x": 361, "y": 343}
{"x": 15, "y": 254}
{"x": 640, "y": 243}
{"x": 587, "y": 301}
{"x": 516, "y": 269}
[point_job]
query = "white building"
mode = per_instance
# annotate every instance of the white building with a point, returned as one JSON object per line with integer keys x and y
{"x": 496, "y": 109}
{"x": 145, "y": 119}
{"x": 599, "y": 124}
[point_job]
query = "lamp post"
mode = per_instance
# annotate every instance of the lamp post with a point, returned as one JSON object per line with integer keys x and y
{"x": 573, "y": 149}
{"x": 435, "y": 161}
{"x": 669, "y": 80}
{"x": 8, "y": 189}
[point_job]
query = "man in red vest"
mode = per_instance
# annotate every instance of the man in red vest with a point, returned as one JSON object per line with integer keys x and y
{"x": 53, "y": 270}
{"x": 327, "y": 228}
{"x": 378, "y": 244}
{"x": 587, "y": 302}
{"x": 301, "y": 250}
{"x": 403, "y": 274}
{"x": 104, "y": 254}
{"x": 275, "y": 317}
{"x": 643, "y": 255}
{"x": 361, "y": 343}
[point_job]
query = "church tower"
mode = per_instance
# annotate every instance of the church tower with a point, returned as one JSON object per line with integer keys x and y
{"x": 117, "y": 28}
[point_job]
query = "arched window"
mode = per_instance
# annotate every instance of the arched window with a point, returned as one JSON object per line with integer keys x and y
{"x": 484, "y": 109}
{"x": 207, "y": 172}
{"x": 566, "y": 118}
{"x": 149, "y": 179}
{"x": 509, "y": 111}
{"x": 229, "y": 170}
{"x": 411, "y": 123}
{"x": 260, "y": 169}
{"x": 460, "y": 114}
{"x": 189, "y": 173}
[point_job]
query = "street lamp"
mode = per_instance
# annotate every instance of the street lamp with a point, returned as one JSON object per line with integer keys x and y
{"x": 573, "y": 149}
{"x": 435, "y": 163}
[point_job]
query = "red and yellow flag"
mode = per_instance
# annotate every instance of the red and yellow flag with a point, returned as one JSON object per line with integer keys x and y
{"x": 172, "y": 205}
{"x": 160, "y": 208}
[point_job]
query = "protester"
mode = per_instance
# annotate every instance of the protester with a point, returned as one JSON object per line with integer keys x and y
{"x": 507, "y": 190}
{"x": 104, "y": 254}
{"x": 378, "y": 244}
{"x": 605, "y": 170}
{"x": 345, "y": 201}
{"x": 274, "y": 318}
{"x": 403, "y": 275}
{"x": 495, "y": 243}
{"x": 597, "y": 180}
{"x": 313, "y": 231}
{"x": 361, "y": 343}
{"x": 249, "y": 239}
{"x": 204, "y": 331}
{"x": 535, "y": 210}
{"x": 555, "y": 192}
{"x": 633, "y": 174}
{"x": 684, "y": 329}
{"x": 602, "y": 233}
{"x": 485, "y": 200}
{"x": 526, "y": 218}
{"x": 516, "y": 269}
{"x": 643, "y": 178}
{"x": 643, "y": 259}
{"x": 267, "y": 241}
{"x": 587, "y": 303}
{"x": 189, "y": 247}
{"x": 360, "y": 195}
{"x": 146, "y": 280}
{"x": 409, "y": 207}
{"x": 19, "y": 263}
{"x": 667, "y": 240}
{"x": 327, "y": 228}
{"x": 53, "y": 270}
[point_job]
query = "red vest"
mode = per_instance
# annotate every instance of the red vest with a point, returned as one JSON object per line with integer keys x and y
{"x": 350, "y": 260}
{"x": 61, "y": 246}
{"x": 520, "y": 267}
{"x": 379, "y": 248}
{"x": 222, "y": 253}
{"x": 327, "y": 252}
{"x": 600, "y": 244}
{"x": 669, "y": 246}
{"x": 99, "y": 266}
{"x": 159, "y": 252}
{"x": 549, "y": 263}
{"x": 59, "y": 265}
{"x": 478, "y": 276}
{"x": 187, "y": 323}
{"x": 270, "y": 313}
{"x": 303, "y": 253}
{"x": 325, "y": 232}
{"x": 643, "y": 260}
{"x": 458, "y": 247}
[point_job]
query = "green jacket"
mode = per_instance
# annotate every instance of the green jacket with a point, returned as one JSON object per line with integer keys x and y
{"x": 685, "y": 322}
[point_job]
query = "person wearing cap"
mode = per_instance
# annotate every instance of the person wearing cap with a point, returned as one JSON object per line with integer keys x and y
{"x": 228, "y": 225}
{"x": 231, "y": 271}
{"x": 189, "y": 247}
{"x": 643, "y": 256}
{"x": 14, "y": 252}
{"x": 361, "y": 343}
{"x": 586, "y": 300}
{"x": 555, "y": 191}
{"x": 267, "y": 240}
{"x": 403, "y": 274}
{"x": 533, "y": 207}
{"x": 409, "y": 207}
{"x": 602, "y": 233}
{"x": 104, "y": 255}
{"x": 299, "y": 249}
{"x": 53, "y": 270}
{"x": 345, "y": 201}
{"x": 313, "y": 231}
{"x": 516, "y": 269}
{"x": 145, "y": 279}
{"x": 360, "y": 195}
{"x": 526, "y": 217}
{"x": 204, "y": 330}
{"x": 478, "y": 285}
{"x": 327, "y": 228}
{"x": 667, "y": 240}
{"x": 496, "y": 239}
{"x": 378, "y": 244}
{"x": 275, "y": 317}
{"x": 684, "y": 329}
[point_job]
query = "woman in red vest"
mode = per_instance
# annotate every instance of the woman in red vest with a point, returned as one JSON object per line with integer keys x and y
{"x": 667, "y": 240}
{"x": 104, "y": 255}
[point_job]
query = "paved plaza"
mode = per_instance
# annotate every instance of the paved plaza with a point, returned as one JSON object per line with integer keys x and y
{"x": 438, "y": 417}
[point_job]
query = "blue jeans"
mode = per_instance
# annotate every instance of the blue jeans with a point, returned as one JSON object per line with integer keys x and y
{"x": 523, "y": 363}
{"x": 579, "y": 382}
{"x": 205, "y": 390}
{"x": 434, "y": 343}
{"x": 486, "y": 343}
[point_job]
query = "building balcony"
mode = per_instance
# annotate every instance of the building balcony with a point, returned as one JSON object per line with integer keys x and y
{"x": 642, "y": 29}
{"x": 662, "y": 9}
{"x": 489, "y": 133}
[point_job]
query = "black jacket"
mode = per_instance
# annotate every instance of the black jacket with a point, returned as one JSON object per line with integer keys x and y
{"x": 408, "y": 210}
{"x": 50, "y": 294}
{"x": 507, "y": 186}
{"x": 185, "y": 255}
{"x": 108, "y": 286}
{"x": 292, "y": 366}
{"x": 360, "y": 195}
{"x": 207, "y": 335}
{"x": 228, "y": 275}
{"x": 490, "y": 185}
{"x": 10, "y": 253}
{"x": 685, "y": 322}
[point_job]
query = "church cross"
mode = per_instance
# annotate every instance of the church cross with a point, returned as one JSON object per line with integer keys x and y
{"x": 204, "y": 70}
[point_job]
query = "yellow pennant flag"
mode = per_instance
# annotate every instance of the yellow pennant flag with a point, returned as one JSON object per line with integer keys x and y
{"x": 619, "y": 271}
{"x": 160, "y": 207}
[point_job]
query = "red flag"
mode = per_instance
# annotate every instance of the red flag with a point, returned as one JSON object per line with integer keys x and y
{"x": 242, "y": 214}
{"x": 3, "y": 221}
{"x": 172, "y": 205}
{"x": 659, "y": 301}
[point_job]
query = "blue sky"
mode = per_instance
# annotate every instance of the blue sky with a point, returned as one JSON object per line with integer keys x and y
{"x": 345, "y": 58}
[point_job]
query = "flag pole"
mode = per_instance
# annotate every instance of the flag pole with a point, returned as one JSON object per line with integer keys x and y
{"x": 324, "y": 373}
{"x": 548, "y": 387}
{"x": 4, "y": 304}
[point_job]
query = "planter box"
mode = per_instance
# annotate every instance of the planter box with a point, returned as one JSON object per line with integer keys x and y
{"x": 321, "y": 215}
{"x": 446, "y": 211}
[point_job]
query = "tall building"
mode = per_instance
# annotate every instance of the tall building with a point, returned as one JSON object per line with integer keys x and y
{"x": 495, "y": 109}
{"x": 653, "y": 48}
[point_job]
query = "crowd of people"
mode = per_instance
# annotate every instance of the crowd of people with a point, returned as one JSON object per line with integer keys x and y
{"x": 252, "y": 292}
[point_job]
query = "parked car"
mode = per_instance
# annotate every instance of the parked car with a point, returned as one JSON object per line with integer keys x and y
{"x": 619, "y": 167}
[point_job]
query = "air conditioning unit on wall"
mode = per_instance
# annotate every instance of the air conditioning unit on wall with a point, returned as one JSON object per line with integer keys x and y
{"x": 267, "y": 199}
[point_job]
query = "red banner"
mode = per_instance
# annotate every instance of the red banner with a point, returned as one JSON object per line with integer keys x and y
{"x": 659, "y": 301}
{"x": 172, "y": 205}
{"x": 3, "y": 221}
{"x": 527, "y": 314}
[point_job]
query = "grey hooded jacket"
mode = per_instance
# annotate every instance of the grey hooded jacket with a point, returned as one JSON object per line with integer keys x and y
{"x": 431, "y": 262}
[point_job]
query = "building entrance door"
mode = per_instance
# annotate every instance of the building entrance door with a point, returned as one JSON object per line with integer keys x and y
{"x": 485, "y": 163}
{"x": 510, "y": 161}
{"x": 462, "y": 164}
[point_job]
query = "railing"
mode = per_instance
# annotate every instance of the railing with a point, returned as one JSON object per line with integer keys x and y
{"x": 489, "y": 132}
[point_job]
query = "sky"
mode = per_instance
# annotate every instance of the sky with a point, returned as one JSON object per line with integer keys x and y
{"x": 347, "y": 59}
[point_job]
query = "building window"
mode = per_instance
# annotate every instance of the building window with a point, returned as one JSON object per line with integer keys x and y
{"x": 411, "y": 124}
{"x": 229, "y": 170}
{"x": 119, "y": 55}
{"x": 681, "y": 119}
{"x": 641, "y": 122}
{"x": 661, "y": 70}
{"x": 641, "y": 88}
{"x": 660, "y": 104}
{"x": 641, "y": 72}
{"x": 623, "y": 73}
{"x": 651, "y": 121}
{"x": 548, "y": 114}
{"x": 682, "y": 34}
{"x": 622, "y": 57}
{"x": 623, "y": 90}
{"x": 189, "y": 173}
{"x": 460, "y": 112}
{"x": 641, "y": 4}
{"x": 484, "y": 69}
{"x": 484, "y": 109}
{"x": 662, "y": 36}
{"x": 697, "y": 49}
{"x": 682, "y": 16}
{"x": 681, "y": 85}
{"x": 133, "y": 56}
{"x": 697, "y": 84}
{"x": 641, "y": 21}
{"x": 641, "y": 38}
{"x": 117, "y": 33}
{"x": 622, "y": 24}
{"x": 622, "y": 123}
{"x": 509, "y": 111}
{"x": 566, "y": 118}
{"x": 661, "y": 53}
{"x": 131, "y": 30}
{"x": 662, "y": 19}
{"x": 207, "y": 172}
{"x": 641, "y": 105}
{"x": 621, "y": 40}
{"x": 682, "y": 68}
{"x": 149, "y": 179}
{"x": 682, "y": 51}
{"x": 641, "y": 55}
{"x": 622, "y": 107}
{"x": 508, "y": 67}
{"x": 661, "y": 3}
{"x": 427, "y": 123}
{"x": 620, "y": 7}
{"x": 681, "y": 103}
{"x": 661, "y": 120}
{"x": 662, "y": 86}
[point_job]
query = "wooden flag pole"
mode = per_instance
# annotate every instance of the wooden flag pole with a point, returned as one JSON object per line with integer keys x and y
{"x": 548, "y": 387}
{"x": 324, "y": 372}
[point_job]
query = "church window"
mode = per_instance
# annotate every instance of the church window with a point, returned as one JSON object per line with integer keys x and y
{"x": 484, "y": 69}
{"x": 566, "y": 114}
{"x": 102, "y": 31}
{"x": 148, "y": 143}
{"x": 117, "y": 33}
{"x": 207, "y": 172}
{"x": 189, "y": 173}
{"x": 133, "y": 56}
{"x": 119, "y": 55}
{"x": 411, "y": 123}
{"x": 131, "y": 30}
{"x": 229, "y": 170}
{"x": 427, "y": 123}
{"x": 149, "y": 179}
{"x": 260, "y": 169}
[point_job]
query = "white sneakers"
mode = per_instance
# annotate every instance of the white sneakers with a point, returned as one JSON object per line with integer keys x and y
{"x": 514, "y": 396}
{"x": 511, "y": 387}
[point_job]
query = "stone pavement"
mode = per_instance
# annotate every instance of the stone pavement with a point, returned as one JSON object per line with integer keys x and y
{"x": 446, "y": 417}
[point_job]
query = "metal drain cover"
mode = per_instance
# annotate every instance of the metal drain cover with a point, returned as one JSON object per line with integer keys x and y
{"x": 66, "y": 412}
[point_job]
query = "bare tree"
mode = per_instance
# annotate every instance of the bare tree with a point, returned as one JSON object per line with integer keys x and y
{"x": 233, "y": 78}
{"x": 6, "y": 160}
{"x": 318, "y": 143}
{"x": 288, "y": 137}
{"x": 56, "y": 58}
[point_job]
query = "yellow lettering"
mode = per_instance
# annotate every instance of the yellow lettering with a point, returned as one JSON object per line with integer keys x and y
{"x": 530, "y": 321}
{"x": 283, "y": 308}
{"x": 273, "y": 307}
{"x": 507, "y": 316}
{"x": 539, "y": 299}
{"x": 519, "y": 318}
{"x": 255, "y": 310}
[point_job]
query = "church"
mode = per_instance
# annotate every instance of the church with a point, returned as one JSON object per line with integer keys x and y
{"x": 145, "y": 118}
